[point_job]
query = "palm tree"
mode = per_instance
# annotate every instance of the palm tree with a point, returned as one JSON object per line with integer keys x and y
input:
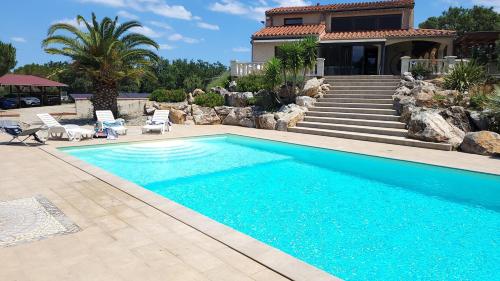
{"x": 107, "y": 52}
{"x": 309, "y": 53}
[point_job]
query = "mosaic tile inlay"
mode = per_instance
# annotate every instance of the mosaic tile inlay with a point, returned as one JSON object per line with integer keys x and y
{"x": 30, "y": 219}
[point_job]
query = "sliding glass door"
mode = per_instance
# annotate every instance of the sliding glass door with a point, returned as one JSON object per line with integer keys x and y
{"x": 350, "y": 59}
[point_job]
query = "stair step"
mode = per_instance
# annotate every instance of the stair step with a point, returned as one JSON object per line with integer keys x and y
{"x": 355, "y": 100}
{"x": 374, "y": 92}
{"x": 358, "y": 122}
{"x": 354, "y": 105}
{"x": 354, "y": 128}
{"x": 358, "y": 96}
{"x": 361, "y": 77}
{"x": 363, "y": 83}
{"x": 371, "y": 137}
{"x": 391, "y": 88}
{"x": 364, "y": 116}
{"x": 353, "y": 110}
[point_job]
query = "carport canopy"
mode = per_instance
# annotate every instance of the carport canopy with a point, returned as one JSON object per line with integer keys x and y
{"x": 20, "y": 80}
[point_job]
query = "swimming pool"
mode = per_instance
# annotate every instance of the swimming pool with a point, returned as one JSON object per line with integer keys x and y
{"x": 355, "y": 216}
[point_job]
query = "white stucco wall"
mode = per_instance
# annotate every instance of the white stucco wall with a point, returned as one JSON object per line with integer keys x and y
{"x": 131, "y": 107}
{"x": 263, "y": 51}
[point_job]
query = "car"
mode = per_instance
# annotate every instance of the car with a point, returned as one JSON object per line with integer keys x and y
{"x": 8, "y": 103}
{"x": 30, "y": 101}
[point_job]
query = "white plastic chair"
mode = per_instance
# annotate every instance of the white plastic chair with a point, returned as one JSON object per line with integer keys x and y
{"x": 56, "y": 130}
{"x": 106, "y": 116}
{"x": 159, "y": 122}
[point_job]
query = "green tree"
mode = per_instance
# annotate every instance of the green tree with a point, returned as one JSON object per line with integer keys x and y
{"x": 106, "y": 51}
{"x": 7, "y": 58}
{"x": 193, "y": 82}
{"x": 477, "y": 18}
{"x": 272, "y": 71}
{"x": 309, "y": 53}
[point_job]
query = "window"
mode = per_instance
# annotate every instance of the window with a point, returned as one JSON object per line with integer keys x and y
{"x": 383, "y": 22}
{"x": 293, "y": 21}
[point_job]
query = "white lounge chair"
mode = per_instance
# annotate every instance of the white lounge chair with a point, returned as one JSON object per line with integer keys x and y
{"x": 56, "y": 130}
{"x": 159, "y": 122}
{"x": 105, "y": 119}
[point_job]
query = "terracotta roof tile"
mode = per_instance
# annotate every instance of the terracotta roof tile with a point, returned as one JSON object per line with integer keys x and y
{"x": 375, "y": 34}
{"x": 290, "y": 31}
{"x": 342, "y": 7}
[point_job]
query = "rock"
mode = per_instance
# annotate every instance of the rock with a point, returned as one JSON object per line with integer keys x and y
{"x": 406, "y": 113}
{"x": 479, "y": 120}
{"x": 399, "y": 102}
{"x": 403, "y": 91}
{"x": 237, "y": 99}
{"x": 457, "y": 116}
{"x": 407, "y": 76}
{"x": 305, "y": 101}
{"x": 223, "y": 111}
{"x": 149, "y": 109}
{"x": 288, "y": 116}
{"x": 175, "y": 105}
{"x": 483, "y": 143}
{"x": 265, "y": 121}
{"x": 205, "y": 115}
{"x": 189, "y": 122}
{"x": 219, "y": 90}
{"x": 232, "y": 86}
{"x": 240, "y": 116}
{"x": 430, "y": 126}
{"x": 267, "y": 100}
{"x": 423, "y": 93}
{"x": 190, "y": 98}
{"x": 313, "y": 87}
{"x": 177, "y": 116}
{"x": 197, "y": 92}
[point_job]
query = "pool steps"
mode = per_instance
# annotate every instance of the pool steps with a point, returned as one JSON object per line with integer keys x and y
{"x": 361, "y": 108}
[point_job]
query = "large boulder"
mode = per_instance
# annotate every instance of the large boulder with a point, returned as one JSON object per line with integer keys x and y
{"x": 177, "y": 116}
{"x": 483, "y": 143}
{"x": 265, "y": 121}
{"x": 288, "y": 116}
{"x": 238, "y": 99}
{"x": 219, "y": 90}
{"x": 479, "y": 120}
{"x": 305, "y": 101}
{"x": 205, "y": 115}
{"x": 170, "y": 105}
{"x": 424, "y": 93}
{"x": 190, "y": 98}
{"x": 312, "y": 88}
{"x": 223, "y": 111}
{"x": 406, "y": 112}
{"x": 399, "y": 102}
{"x": 198, "y": 92}
{"x": 457, "y": 116}
{"x": 430, "y": 126}
{"x": 240, "y": 116}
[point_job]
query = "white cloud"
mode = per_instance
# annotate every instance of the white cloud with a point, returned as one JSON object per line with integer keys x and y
{"x": 208, "y": 26}
{"x": 241, "y": 50}
{"x": 73, "y": 22}
{"x": 180, "y": 37}
{"x": 127, "y": 15}
{"x": 18, "y": 39}
{"x": 166, "y": 47}
{"x": 256, "y": 12}
{"x": 147, "y": 31}
{"x": 159, "y": 7}
{"x": 161, "y": 25}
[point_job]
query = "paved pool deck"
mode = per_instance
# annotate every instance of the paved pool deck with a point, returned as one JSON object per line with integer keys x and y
{"x": 130, "y": 234}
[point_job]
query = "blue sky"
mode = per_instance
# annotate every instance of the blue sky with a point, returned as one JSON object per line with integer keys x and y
{"x": 212, "y": 30}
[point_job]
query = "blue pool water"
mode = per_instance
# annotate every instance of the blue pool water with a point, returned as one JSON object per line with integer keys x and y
{"x": 354, "y": 216}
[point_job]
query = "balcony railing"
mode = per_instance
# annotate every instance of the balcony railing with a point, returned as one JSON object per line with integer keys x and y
{"x": 239, "y": 69}
{"x": 435, "y": 66}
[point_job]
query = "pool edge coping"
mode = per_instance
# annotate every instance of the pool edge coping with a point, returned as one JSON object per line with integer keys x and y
{"x": 270, "y": 257}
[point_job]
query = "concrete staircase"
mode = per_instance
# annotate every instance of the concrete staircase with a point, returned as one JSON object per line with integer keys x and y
{"x": 360, "y": 107}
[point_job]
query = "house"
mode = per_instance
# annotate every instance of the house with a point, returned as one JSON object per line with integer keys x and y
{"x": 366, "y": 38}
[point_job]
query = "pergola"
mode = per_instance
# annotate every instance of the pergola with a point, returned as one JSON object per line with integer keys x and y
{"x": 18, "y": 84}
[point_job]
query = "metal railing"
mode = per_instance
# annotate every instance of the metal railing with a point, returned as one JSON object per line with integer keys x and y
{"x": 239, "y": 69}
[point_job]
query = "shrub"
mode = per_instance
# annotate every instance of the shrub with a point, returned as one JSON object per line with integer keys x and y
{"x": 420, "y": 71}
{"x": 464, "y": 76}
{"x": 162, "y": 95}
{"x": 250, "y": 83}
{"x": 221, "y": 81}
{"x": 209, "y": 100}
{"x": 272, "y": 74}
{"x": 493, "y": 106}
{"x": 479, "y": 96}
